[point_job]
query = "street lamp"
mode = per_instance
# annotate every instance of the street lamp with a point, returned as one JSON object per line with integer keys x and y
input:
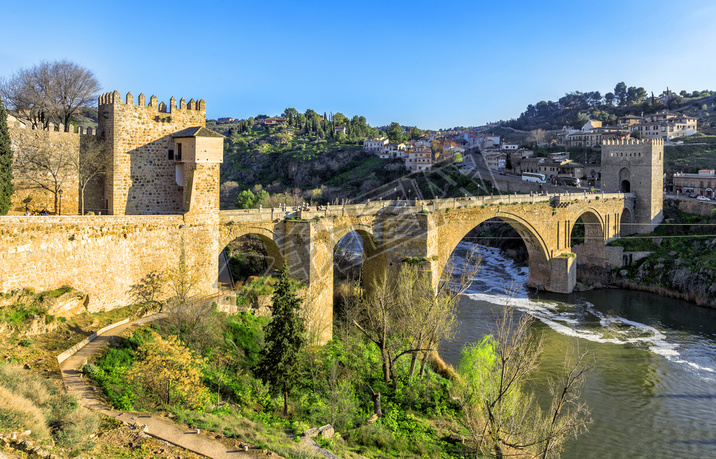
{"x": 60, "y": 209}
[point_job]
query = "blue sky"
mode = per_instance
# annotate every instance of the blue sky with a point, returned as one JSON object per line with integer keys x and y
{"x": 430, "y": 64}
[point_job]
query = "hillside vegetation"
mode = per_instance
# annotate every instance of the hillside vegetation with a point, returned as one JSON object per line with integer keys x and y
{"x": 683, "y": 262}
{"x": 576, "y": 108}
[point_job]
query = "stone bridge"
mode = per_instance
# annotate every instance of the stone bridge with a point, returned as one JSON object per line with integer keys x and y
{"x": 430, "y": 231}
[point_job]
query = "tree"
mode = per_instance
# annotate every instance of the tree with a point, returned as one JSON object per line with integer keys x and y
{"x": 635, "y": 95}
{"x": 45, "y": 165}
{"x": 537, "y": 136}
{"x": 284, "y": 339}
{"x": 168, "y": 373}
{"x": 290, "y": 115}
{"x": 395, "y": 132}
{"x": 245, "y": 200}
{"x": 620, "y": 92}
{"x": 504, "y": 419}
{"x": 408, "y": 315}
{"x": 50, "y": 91}
{"x": 339, "y": 119}
{"x": 6, "y": 188}
{"x": 89, "y": 164}
{"x": 609, "y": 98}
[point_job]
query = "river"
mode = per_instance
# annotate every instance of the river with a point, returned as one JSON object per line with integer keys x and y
{"x": 652, "y": 389}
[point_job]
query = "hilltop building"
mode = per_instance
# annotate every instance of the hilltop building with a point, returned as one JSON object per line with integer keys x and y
{"x": 666, "y": 126}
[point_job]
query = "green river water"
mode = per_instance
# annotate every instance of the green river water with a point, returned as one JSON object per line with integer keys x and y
{"x": 652, "y": 389}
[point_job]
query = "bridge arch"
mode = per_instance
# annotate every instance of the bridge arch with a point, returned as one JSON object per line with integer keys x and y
{"x": 374, "y": 256}
{"x": 626, "y": 222}
{"x": 271, "y": 242}
{"x": 587, "y": 240}
{"x": 594, "y": 224}
{"x": 537, "y": 248}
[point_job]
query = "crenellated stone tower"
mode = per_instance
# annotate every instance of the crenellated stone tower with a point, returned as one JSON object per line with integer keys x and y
{"x": 162, "y": 159}
{"x": 636, "y": 166}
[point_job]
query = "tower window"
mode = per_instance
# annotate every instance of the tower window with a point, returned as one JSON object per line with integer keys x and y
{"x": 178, "y": 152}
{"x": 170, "y": 155}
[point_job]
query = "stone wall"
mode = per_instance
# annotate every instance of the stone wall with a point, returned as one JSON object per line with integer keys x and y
{"x": 703, "y": 208}
{"x": 103, "y": 256}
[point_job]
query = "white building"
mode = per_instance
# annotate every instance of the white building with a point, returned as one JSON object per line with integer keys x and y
{"x": 375, "y": 145}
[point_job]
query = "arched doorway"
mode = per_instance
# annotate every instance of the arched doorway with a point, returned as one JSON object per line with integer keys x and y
{"x": 624, "y": 180}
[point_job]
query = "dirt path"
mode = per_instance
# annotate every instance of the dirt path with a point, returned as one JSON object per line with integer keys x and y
{"x": 155, "y": 426}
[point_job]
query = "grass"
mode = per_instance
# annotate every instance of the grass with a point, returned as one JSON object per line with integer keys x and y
{"x": 28, "y": 402}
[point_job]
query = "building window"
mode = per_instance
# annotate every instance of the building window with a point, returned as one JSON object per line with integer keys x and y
{"x": 170, "y": 155}
{"x": 178, "y": 152}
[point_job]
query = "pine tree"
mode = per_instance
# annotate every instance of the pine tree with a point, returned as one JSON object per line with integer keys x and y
{"x": 6, "y": 188}
{"x": 284, "y": 338}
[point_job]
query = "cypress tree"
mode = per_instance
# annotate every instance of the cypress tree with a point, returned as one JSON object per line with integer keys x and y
{"x": 284, "y": 337}
{"x": 6, "y": 188}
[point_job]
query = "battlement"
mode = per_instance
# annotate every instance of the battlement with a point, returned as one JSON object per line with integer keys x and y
{"x": 59, "y": 129}
{"x": 633, "y": 142}
{"x": 115, "y": 98}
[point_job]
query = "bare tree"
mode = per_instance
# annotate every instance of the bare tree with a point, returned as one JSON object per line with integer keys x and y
{"x": 75, "y": 87}
{"x": 409, "y": 315}
{"x": 45, "y": 166}
{"x": 503, "y": 417}
{"x": 537, "y": 136}
{"x": 49, "y": 91}
{"x": 28, "y": 92}
{"x": 89, "y": 164}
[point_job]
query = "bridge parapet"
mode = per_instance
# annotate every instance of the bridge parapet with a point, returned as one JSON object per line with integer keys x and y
{"x": 399, "y": 207}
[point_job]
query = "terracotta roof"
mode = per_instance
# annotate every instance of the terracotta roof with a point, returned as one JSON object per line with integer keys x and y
{"x": 198, "y": 131}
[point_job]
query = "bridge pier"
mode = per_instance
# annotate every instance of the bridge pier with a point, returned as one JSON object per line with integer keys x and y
{"x": 557, "y": 274}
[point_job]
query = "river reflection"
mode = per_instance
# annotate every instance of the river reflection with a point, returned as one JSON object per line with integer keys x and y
{"x": 652, "y": 390}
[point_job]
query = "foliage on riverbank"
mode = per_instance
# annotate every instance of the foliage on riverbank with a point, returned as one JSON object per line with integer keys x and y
{"x": 374, "y": 382}
{"x": 683, "y": 262}
{"x": 419, "y": 416}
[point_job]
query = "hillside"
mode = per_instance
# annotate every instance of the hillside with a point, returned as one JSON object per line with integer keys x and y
{"x": 575, "y": 108}
{"x": 682, "y": 264}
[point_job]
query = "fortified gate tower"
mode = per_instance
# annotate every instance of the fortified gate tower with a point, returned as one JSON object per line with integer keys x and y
{"x": 636, "y": 166}
{"x": 162, "y": 159}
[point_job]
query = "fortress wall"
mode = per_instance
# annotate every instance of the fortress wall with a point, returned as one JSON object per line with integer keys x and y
{"x": 66, "y": 147}
{"x": 101, "y": 255}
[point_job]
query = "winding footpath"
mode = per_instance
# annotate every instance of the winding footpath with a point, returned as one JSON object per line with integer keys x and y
{"x": 157, "y": 427}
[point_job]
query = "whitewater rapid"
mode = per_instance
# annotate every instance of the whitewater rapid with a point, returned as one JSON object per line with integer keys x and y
{"x": 502, "y": 282}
